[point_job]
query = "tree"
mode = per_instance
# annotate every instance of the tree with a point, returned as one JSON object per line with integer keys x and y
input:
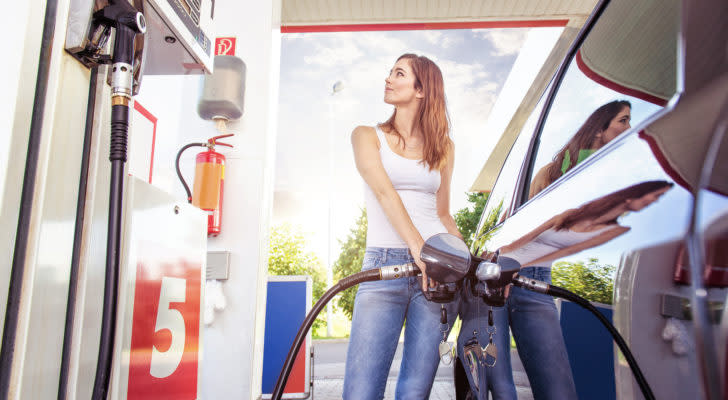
{"x": 288, "y": 255}
{"x": 591, "y": 281}
{"x": 467, "y": 219}
{"x": 487, "y": 228}
{"x": 350, "y": 260}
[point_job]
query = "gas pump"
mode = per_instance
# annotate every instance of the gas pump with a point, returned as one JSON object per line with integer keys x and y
{"x": 174, "y": 45}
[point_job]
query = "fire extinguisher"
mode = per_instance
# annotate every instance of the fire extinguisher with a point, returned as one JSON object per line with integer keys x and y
{"x": 209, "y": 181}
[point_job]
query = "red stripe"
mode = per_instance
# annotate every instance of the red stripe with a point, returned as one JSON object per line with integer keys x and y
{"x": 419, "y": 26}
{"x": 662, "y": 160}
{"x": 615, "y": 86}
{"x": 143, "y": 111}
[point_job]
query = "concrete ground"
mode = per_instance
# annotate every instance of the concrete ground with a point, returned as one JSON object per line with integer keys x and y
{"x": 328, "y": 371}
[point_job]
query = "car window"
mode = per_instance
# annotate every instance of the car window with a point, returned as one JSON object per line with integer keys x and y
{"x": 500, "y": 198}
{"x": 624, "y": 71}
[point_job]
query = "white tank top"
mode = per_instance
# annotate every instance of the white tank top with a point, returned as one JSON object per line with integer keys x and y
{"x": 417, "y": 187}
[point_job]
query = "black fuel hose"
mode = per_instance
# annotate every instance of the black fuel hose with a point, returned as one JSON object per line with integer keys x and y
{"x": 127, "y": 22}
{"x": 384, "y": 273}
{"x": 117, "y": 156}
{"x": 179, "y": 173}
{"x": 556, "y": 291}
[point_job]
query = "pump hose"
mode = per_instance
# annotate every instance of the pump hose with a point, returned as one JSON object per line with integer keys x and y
{"x": 557, "y": 291}
{"x": 384, "y": 273}
{"x": 179, "y": 173}
{"x": 117, "y": 156}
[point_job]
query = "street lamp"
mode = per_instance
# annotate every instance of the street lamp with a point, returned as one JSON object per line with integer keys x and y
{"x": 337, "y": 87}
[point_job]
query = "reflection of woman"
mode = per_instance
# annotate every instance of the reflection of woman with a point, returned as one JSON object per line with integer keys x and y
{"x": 587, "y": 226}
{"x": 407, "y": 165}
{"x": 533, "y": 317}
{"x": 602, "y": 126}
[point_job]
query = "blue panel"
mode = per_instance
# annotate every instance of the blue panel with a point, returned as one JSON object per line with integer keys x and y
{"x": 590, "y": 348}
{"x": 285, "y": 311}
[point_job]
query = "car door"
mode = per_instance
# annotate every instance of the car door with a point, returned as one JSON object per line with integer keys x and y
{"x": 629, "y": 53}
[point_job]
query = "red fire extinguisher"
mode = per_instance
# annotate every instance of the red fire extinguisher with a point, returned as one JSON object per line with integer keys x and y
{"x": 207, "y": 190}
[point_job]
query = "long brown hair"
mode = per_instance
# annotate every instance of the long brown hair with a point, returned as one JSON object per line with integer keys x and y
{"x": 432, "y": 118}
{"x": 596, "y": 208}
{"x": 585, "y": 137}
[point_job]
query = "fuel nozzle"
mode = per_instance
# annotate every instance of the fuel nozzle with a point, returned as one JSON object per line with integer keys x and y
{"x": 497, "y": 274}
{"x": 127, "y": 21}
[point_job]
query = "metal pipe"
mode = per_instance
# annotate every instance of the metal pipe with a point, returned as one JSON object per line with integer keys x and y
{"x": 695, "y": 246}
{"x": 77, "y": 237}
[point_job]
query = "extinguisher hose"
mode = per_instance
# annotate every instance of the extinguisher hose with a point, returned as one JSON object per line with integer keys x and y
{"x": 384, "y": 273}
{"x": 179, "y": 173}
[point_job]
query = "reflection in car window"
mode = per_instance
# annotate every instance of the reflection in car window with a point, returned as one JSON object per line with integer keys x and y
{"x": 500, "y": 197}
{"x": 624, "y": 72}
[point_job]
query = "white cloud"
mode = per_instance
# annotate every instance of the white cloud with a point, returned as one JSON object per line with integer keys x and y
{"x": 504, "y": 41}
{"x": 440, "y": 39}
{"x": 344, "y": 54}
{"x": 296, "y": 36}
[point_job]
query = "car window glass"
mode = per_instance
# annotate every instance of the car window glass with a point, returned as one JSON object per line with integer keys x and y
{"x": 499, "y": 199}
{"x": 624, "y": 71}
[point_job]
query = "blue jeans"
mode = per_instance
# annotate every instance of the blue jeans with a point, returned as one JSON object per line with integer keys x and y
{"x": 534, "y": 322}
{"x": 380, "y": 310}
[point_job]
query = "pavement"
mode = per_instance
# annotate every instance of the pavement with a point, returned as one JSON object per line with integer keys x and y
{"x": 328, "y": 371}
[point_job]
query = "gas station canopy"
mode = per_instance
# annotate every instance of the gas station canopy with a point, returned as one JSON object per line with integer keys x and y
{"x": 297, "y": 14}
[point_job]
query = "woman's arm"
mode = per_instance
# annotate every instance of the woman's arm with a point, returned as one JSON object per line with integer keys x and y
{"x": 540, "y": 181}
{"x": 369, "y": 164}
{"x": 443, "y": 195}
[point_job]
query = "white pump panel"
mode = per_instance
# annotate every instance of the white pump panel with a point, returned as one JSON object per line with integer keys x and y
{"x": 178, "y": 41}
{"x": 179, "y": 37}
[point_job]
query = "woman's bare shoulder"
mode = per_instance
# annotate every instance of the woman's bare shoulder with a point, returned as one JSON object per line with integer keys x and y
{"x": 363, "y": 130}
{"x": 364, "y": 134}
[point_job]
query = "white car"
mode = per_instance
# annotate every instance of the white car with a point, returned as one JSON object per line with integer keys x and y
{"x": 669, "y": 60}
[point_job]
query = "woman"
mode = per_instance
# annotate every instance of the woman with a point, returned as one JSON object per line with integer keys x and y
{"x": 533, "y": 317}
{"x": 406, "y": 163}
{"x": 602, "y": 126}
{"x": 590, "y": 225}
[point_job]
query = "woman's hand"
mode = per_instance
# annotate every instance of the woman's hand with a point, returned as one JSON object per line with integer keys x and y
{"x": 415, "y": 251}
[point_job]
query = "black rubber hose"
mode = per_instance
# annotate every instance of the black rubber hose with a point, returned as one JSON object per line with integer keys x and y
{"x": 557, "y": 291}
{"x": 77, "y": 237}
{"x": 179, "y": 173}
{"x": 349, "y": 281}
{"x": 117, "y": 156}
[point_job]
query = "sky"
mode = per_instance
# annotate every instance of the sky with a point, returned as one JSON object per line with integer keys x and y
{"x": 315, "y": 124}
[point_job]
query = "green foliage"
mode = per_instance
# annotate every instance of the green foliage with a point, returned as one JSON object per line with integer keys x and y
{"x": 288, "y": 255}
{"x": 350, "y": 260}
{"x": 467, "y": 219}
{"x": 592, "y": 281}
{"x": 487, "y": 229}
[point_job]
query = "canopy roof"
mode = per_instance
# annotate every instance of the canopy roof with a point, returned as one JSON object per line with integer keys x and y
{"x": 298, "y": 14}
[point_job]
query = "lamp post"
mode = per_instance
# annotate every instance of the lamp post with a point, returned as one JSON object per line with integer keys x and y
{"x": 337, "y": 87}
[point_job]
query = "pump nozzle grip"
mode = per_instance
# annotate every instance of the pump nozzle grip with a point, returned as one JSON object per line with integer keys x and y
{"x": 499, "y": 273}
